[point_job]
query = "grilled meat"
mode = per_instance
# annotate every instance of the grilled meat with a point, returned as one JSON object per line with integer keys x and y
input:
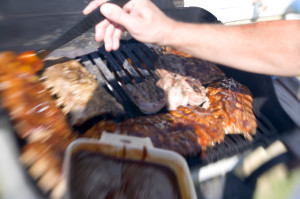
{"x": 30, "y": 106}
{"x": 168, "y": 50}
{"x": 159, "y": 128}
{"x": 79, "y": 93}
{"x": 181, "y": 90}
{"x": 171, "y": 64}
{"x": 231, "y": 102}
{"x": 147, "y": 96}
{"x": 36, "y": 119}
{"x": 187, "y": 129}
{"x": 203, "y": 71}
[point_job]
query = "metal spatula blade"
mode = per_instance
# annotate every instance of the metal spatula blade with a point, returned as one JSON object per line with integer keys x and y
{"x": 78, "y": 29}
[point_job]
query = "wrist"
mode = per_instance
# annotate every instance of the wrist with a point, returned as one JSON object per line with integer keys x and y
{"x": 170, "y": 34}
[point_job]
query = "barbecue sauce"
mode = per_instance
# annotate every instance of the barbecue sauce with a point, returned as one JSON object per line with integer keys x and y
{"x": 94, "y": 175}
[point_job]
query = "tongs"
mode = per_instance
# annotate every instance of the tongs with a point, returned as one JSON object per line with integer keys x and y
{"x": 78, "y": 29}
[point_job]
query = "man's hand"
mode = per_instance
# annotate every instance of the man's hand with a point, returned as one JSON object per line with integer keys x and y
{"x": 141, "y": 18}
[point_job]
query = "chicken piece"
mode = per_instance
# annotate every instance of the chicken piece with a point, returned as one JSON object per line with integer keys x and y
{"x": 181, "y": 90}
{"x": 146, "y": 96}
{"x": 79, "y": 93}
{"x": 194, "y": 91}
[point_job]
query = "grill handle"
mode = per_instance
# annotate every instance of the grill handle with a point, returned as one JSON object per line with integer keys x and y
{"x": 78, "y": 29}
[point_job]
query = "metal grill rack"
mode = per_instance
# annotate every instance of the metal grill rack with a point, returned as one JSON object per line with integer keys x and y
{"x": 132, "y": 63}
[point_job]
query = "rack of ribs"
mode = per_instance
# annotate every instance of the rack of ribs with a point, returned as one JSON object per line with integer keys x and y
{"x": 36, "y": 119}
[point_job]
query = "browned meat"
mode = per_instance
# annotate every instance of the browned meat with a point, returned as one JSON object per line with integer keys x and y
{"x": 186, "y": 130}
{"x": 170, "y": 63}
{"x": 147, "y": 96}
{"x": 160, "y": 128}
{"x": 231, "y": 102}
{"x": 37, "y": 120}
{"x": 204, "y": 71}
{"x": 79, "y": 93}
{"x": 169, "y": 50}
{"x": 181, "y": 90}
{"x": 30, "y": 106}
{"x": 45, "y": 160}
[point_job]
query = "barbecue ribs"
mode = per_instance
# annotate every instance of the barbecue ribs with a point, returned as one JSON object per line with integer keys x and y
{"x": 36, "y": 119}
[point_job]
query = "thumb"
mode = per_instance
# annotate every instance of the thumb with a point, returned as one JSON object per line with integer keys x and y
{"x": 115, "y": 14}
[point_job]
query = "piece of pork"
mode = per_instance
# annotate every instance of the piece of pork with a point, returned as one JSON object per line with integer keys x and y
{"x": 181, "y": 90}
{"x": 78, "y": 92}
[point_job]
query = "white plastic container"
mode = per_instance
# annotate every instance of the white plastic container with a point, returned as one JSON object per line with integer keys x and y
{"x": 137, "y": 149}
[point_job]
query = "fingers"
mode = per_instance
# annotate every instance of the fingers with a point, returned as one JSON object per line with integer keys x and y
{"x": 116, "y": 37}
{"x": 110, "y": 29}
{"x": 108, "y": 37}
{"x": 116, "y": 14}
{"x": 100, "y": 30}
{"x": 92, "y": 6}
{"x": 110, "y": 33}
{"x": 128, "y": 6}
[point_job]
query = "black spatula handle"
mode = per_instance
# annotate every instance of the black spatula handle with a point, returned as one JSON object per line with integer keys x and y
{"x": 78, "y": 29}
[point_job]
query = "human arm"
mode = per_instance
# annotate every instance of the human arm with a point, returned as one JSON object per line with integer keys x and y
{"x": 266, "y": 47}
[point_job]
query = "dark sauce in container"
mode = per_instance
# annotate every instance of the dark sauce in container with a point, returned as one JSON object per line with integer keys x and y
{"x": 93, "y": 175}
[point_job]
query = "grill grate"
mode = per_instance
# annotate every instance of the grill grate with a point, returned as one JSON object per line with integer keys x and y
{"x": 134, "y": 63}
{"x": 235, "y": 144}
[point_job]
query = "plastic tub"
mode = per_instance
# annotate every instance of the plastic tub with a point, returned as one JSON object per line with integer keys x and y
{"x": 136, "y": 149}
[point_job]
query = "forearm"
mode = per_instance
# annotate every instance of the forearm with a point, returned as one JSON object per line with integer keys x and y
{"x": 266, "y": 47}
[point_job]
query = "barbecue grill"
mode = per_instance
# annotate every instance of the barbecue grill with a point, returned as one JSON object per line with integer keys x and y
{"x": 113, "y": 71}
{"x": 134, "y": 63}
